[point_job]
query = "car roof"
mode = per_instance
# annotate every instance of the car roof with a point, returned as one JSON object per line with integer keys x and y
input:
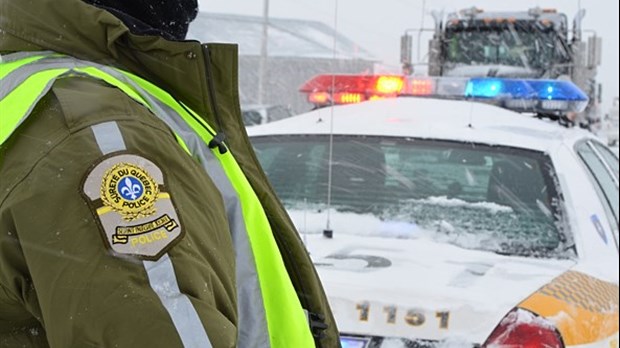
{"x": 431, "y": 119}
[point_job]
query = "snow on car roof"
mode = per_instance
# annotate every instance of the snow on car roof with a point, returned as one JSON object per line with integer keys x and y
{"x": 431, "y": 119}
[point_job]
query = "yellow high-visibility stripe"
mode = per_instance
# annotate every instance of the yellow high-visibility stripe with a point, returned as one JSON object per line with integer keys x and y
{"x": 15, "y": 106}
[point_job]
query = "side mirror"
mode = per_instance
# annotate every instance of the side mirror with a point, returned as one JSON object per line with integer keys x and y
{"x": 594, "y": 51}
{"x": 406, "y": 47}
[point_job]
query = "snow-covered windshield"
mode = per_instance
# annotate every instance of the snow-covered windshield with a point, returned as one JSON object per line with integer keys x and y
{"x": 476, "y": 196}
{"x": 508, "y": 45}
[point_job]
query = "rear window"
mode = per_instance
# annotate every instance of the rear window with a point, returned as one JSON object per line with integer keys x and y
{"x": 475, "y": 196}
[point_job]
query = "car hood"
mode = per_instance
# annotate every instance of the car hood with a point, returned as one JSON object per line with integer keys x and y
{"x": 421, "y": 289}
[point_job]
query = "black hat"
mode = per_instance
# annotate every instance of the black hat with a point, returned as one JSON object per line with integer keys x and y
{"x": 167, "y": 18}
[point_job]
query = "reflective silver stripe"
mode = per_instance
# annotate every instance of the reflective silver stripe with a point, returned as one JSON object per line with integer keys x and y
{"x": 184, "y": 316}
{"x": 252, "y": 326}
{"x": 11, "y": 57}
{"x": 161, "y": 273}
{"x": 19, "y": 75}
{"x": 109, "y": 137}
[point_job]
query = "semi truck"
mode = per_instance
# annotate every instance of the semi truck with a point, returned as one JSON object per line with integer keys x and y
{"x": 536, "y": 43}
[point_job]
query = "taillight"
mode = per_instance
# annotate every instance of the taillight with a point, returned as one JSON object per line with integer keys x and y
{"x": 524, "y": 329}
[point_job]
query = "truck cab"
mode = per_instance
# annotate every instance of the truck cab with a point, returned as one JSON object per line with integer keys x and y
{"x": 505, "y": 45}
{"x": 535, "y": 43}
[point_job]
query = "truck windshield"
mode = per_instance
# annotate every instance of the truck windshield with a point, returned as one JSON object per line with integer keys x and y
{"x": 509, "y": 45}
{"x": 475, "y": 196}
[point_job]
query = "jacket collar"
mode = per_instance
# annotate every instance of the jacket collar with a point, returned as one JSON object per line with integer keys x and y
{"x": 78, "y": 29}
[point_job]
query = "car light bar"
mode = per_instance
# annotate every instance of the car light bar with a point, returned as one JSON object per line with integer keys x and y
{"x": 523, "y": 95}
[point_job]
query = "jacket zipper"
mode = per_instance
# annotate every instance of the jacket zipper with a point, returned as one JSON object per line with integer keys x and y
{"x": 219, "y": 137}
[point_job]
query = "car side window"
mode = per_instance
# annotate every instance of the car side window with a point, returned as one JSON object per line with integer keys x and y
{"x": 601, "y": 172}
{"x": 609, "y": 157}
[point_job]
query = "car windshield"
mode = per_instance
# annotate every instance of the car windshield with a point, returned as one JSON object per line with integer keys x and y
{"x": 475, "y": 196}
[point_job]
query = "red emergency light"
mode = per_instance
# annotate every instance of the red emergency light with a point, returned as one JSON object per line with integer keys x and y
{"x": 323, "y": 90}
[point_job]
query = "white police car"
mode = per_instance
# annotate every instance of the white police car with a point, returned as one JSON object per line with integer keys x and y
{"x": 449, "y": 223}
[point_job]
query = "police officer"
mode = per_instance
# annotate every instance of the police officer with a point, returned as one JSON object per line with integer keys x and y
{"x": 133, "y": 212}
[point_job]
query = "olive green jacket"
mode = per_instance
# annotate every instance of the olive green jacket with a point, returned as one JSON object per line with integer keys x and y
{"x": 59, "y": 286}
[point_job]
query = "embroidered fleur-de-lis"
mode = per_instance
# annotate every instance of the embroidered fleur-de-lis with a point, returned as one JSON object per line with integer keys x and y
{"x": 130, "y": 189}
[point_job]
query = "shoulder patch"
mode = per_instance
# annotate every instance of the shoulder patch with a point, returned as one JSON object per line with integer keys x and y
{"x": 135, "y": 214}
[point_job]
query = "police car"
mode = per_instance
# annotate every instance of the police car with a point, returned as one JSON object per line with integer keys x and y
{"x": 437, "y": 217}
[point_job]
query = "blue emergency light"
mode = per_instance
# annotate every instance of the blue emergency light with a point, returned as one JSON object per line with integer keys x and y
{"x": 498, "y": 88}
{"x": 524, "y": 89}
{"x": 528, "y": 95}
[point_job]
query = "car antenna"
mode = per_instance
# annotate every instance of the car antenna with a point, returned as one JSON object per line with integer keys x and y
{"x": 471, "y": 115}
{"x": 328, "y": 232}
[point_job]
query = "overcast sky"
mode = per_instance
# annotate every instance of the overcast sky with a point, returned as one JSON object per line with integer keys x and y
{"x": 377, "y": 25}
